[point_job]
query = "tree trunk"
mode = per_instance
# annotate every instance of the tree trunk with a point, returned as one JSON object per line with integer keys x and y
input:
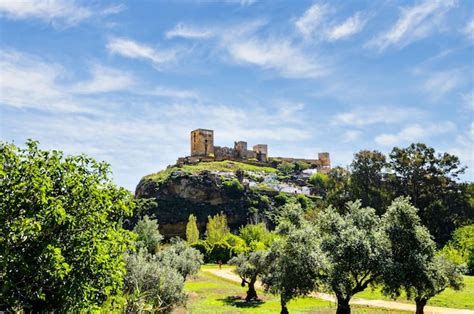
{"x": 343, "y": 305}
{"x": 420, "y": 305}
{"x": 284, "y": 309}
{"x": 251, "y": 292}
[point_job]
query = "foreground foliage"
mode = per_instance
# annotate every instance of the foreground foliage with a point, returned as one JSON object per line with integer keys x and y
{"x": 61, "y": 241}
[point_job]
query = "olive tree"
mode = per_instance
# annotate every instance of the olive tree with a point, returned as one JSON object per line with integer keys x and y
{"x": 249, "y": 266}
{"x": 354, "y": 246}
{"x": 413, "y": 265}
{"x": 148, "y": 235}
{"x": 295, "y": 265}
{"x": 61, "y": 241}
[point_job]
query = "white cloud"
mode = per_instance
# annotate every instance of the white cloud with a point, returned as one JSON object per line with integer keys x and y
{"x": 351, "y": 135}
{"x": 132, "y": 49}
{"x": 414, "y": 23}
{"x": 186, "y": 31}
{"x": 443, "y": 82}
{"x": 164, "y": 91}
{"x": 468, "y": 30}
{"x": 104, "y": 80}
{"x": 28, "y": 82}
{"x": 349, "y": 27}
{"x": 468, "y": 99}
{"x": 311, "y": 19}
{"x": 413, "y": 133}
{"x": 364, "y": 116}
{"x": 278, "y": 54}
{"x": 61, "y": 12}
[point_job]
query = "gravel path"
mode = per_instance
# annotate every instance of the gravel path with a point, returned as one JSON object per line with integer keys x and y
{"x": 227, "y": 273}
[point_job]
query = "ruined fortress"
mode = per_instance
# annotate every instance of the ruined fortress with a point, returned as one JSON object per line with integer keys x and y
{"x": 203, "y": 149}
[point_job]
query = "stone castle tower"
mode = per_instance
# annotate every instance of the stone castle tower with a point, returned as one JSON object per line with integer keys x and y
{"x": 202, "y": 142}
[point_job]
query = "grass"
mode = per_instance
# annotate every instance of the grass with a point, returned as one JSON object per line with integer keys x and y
{"x": 212, "y": 294}
{"x": 462, "y": 299}
{"x": 224, "y": 166}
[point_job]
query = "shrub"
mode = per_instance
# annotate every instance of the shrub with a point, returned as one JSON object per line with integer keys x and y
{"x": 304, "y": 201}
{"x": 281, "y": 199}
{"x": 220, "y": 251}
{"x": 148, "y": 235}
{"x": 233, "y": 188}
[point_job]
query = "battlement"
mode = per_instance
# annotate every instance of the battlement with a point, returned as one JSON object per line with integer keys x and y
{"x": 203, "y": 149}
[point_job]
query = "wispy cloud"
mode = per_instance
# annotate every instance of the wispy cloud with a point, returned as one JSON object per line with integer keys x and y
{"x": 365, "y": 116}
{"x": 132, "y": 49}
{"x": 311, "y": 19}
{"x": 277, "y": 54}
{"x": 349, "y": 27}
{"x": 413, "y": 133}
{"x": 186, "y": 31}
{"x": 440, "y": 83}
{"x": 468, "y": 30}
{"x": 351, "y": 135}
{"x": 164, "y": 91}
{"x": 104, "y": 80}
{"x": 415, "y": 22}
{"x": 58, "y": 12}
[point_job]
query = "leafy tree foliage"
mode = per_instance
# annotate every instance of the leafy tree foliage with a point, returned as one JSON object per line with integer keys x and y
{"x": 319, "y": 181}
{"x": 155, "y": 278}
{"x": 286, "y": 168}
{"x": 256, "y": 236}
{"x": 412, "y": 265}
{"x": 61, "y": 241}
{"x": 354, "y": 246}
{"x": 368, "y": 182}
{"x": 430, "y": 180}
{"x": 148, "y": 235}
{"x": 150, "y": 285}
{"x": 338, "y": 188}
{"x": 249, "y": 267}
{"x": 192, "y": 231}
{"x": 216, "y": 228}
{"x": 295, "y": 265}
{"x": 460, "y": 249}
{"x": 233, "y": 188}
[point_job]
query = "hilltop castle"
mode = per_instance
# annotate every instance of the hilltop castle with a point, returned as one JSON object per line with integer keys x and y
{"x": 203, "y": 149}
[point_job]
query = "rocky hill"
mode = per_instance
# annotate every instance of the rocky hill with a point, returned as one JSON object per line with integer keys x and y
{"x": 244, "y": 192}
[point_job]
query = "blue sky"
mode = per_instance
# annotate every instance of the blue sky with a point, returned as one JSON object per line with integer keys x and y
{"x": 125, "y": 82}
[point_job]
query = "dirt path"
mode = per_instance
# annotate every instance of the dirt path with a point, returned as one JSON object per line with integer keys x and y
{"x": 227, "y": 273}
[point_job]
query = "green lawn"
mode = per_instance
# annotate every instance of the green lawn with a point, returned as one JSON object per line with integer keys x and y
{"x": 463, "y": 299}
{"x": 212, "y": 294}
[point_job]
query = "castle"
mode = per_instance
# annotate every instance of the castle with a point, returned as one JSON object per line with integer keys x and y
{"x": 203, "y": 149}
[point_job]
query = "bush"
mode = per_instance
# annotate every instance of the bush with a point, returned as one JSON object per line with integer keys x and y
{"x": 281, "y": 199}
{"x": 237, "y": 243}
{"x": 285, "y": 168}
{"x": 319, "y": 180}
{"x": 148, "y": 235}
{"x": 304, "y": 201}
{"x": 220, "y": 251}
{"x": 233, "y": 188}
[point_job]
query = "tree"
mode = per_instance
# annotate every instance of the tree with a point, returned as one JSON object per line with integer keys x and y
{"x": 295, "y": 265}
{"x": 148, "y": 235}
{"x": 216, "y": 228}
{"x": 61, "y": 241}
{"x": 185, "y": 259}
{"x": 338, "y": 187}
{"x": 460, "y": 249}
{"x": 286, "y": 168}
{"x": 430, "y": 180}
{"x": 368, "y": 181}
{"x": 249, "y": 267}
{"x": 192, "y": 231}
{"x": 412, "y": 264}
{"x": 354, "y": 246}
{"x": 150, "y": 285}
{"x": 256, "y": 235}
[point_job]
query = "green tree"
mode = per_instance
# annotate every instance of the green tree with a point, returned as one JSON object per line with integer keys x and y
{"x": 61, "y": 240}
{"x": 180, "y": 256}
{"x": 431, "y": 182}
{"x": 192, "y": 231}
{"x": 368, "y": 181}
{"x": 216, "y": 228}
{"x": 148, "y": 235}
{"x": 255, "y": 233}
{"x": 319, "y": 181}
{"x": 354, "y": 246}
{"x": 286, "y": 168}
{"x": 150, "y": 285}
{"x": 249, "y": 266}
{"x": 412, "y": 264}
{"x": 338, "y": 188}
{"x": 295, "y": 265}
{"x": 460, "y": 249}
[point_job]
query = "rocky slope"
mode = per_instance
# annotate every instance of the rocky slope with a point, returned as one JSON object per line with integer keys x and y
{"x": 243, "y": 192}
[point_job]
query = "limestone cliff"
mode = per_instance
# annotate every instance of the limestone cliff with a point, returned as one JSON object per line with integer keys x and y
{"x": 242, "y": 191}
